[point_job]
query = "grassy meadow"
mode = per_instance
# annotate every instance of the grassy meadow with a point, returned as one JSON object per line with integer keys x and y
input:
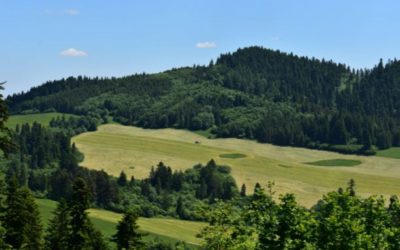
{"x": 134, "y": 150}
{"x": 168, "y": 230}
{"x": 390, "y": 153}
{"x": 43, "y": 119}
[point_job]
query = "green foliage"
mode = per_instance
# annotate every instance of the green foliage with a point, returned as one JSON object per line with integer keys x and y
{"x": 228, "y": 230}
{"x": 340, "y": 220}
{"x": 6, "y": 145}
{"x": 21, "y": 219}
{"x": 82, "y": 234}
{"x": 59, "y": 228}
{"x": 127, "y": 236}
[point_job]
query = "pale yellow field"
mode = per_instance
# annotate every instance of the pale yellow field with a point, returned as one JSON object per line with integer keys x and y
{"x": 115, "y": 148}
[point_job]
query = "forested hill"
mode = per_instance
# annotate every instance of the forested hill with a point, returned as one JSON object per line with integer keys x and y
{"x": 252, "y": 93}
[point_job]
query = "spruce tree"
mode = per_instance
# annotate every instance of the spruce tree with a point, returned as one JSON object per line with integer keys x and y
{"x": 122, "y": 179}
{"x": 6, "y": 144}
{"x": 21, "y": 218}
{"x": 83, "y": 235}
{"x": 33, "y": 230}
{"x": 180, "y": 210}
{"x": 127, "y": 236}
{"x": 351, "y": 187}
{"x": 243, "y": 191}
{"x": 59, "y": 228}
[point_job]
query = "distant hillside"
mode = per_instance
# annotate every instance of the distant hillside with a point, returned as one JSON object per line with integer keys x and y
{"x": 253, "y": 93}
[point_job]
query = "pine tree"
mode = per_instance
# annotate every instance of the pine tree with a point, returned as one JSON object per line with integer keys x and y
{"x": 257, "y": 187}
{"x": 59, "y": 228}
{"x": 3, "y": 244}
{"x": 122, "y": 179}
{"x": 351, "y": 187}
{"x": 180, "y": 210}
{"x": 127, "y": 236}
{"x": 82, "y": 231}
{"x": 33, "y": 228}
{"x": 21, "y": 218}
{"x": 6, "y": 144}
{"x": 243, "y": 191}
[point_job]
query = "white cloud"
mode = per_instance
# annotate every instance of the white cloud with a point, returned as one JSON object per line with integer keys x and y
{"x": 206, "y": 45}
{"x": 73, "y": 53}
{"x": 71, "y": 12}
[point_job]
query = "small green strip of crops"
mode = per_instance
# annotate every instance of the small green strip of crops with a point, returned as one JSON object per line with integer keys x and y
{"x": 233, "y": 156}
{"x": 335, "y": 163}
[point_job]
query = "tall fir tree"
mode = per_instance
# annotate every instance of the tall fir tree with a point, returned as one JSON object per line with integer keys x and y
{"x": 128, "y": 236}
{"x": 21, "y": 219}
{"x": 83, "y": 235}
{"x": 6, "y": 144}
{"x": 180, "y": 209}
{"x": 59, "y": 228}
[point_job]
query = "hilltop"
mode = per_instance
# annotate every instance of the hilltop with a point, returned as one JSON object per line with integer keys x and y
{"x": 253, "y": 93}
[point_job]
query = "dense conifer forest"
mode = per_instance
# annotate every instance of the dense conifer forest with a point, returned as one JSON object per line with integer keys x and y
{"x": 253, "y": 93}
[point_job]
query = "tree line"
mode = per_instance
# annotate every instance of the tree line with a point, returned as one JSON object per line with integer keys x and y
{"x": 47, "y": 162}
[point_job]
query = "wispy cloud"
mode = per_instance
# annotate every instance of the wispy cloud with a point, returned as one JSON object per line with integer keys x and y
{"x": 71, "y": 12}
{"x": 206, "y": 45}
{"x": 71, "y": 52}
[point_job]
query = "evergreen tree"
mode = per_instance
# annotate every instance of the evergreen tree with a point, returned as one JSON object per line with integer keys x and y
{"x": 33, "y": 228}
{"x": 6, "y": 144}
{"x": 351, "y": 187}
{"x": 82, "y": 231}
{"x": 59, "y": 228}
{"x": 21, "y": 219}
{"x": 257, "y": 188}
{"x": 243, "y": 191}
{"x": 180, "y": 210}
{"x": 127, "y": 236}
{"x": 122, "y": 179}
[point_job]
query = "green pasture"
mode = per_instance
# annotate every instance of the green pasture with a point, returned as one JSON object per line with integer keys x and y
{"x": 43, "y": 119}
{"x": 390, "y": 153}
{"x": 167, "y": 230}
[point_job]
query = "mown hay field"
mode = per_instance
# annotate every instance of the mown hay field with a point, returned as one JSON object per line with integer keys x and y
{"x": 115, "y": 148}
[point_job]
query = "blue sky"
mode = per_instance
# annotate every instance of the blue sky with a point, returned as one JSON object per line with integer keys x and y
{"x": 49, "y": 39}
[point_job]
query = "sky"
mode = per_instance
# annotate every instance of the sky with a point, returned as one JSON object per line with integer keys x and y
{"x": 43, "y": 40}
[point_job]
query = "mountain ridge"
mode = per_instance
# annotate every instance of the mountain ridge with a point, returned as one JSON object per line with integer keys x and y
{"x": 254, "y": 93}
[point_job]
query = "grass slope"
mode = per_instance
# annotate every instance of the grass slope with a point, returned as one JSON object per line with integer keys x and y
{"x": 43, "y": 119}
{"x": 115, "y": 148}
{"x": 168, "y": 230}
{"x": 390, "y": 153}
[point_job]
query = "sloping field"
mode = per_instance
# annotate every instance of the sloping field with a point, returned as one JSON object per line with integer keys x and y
{"x": 43, "y": 119}
{"x": 390, "y": 153}
{"x": 115, "y": 148}
{"x": 168, "y": 230}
